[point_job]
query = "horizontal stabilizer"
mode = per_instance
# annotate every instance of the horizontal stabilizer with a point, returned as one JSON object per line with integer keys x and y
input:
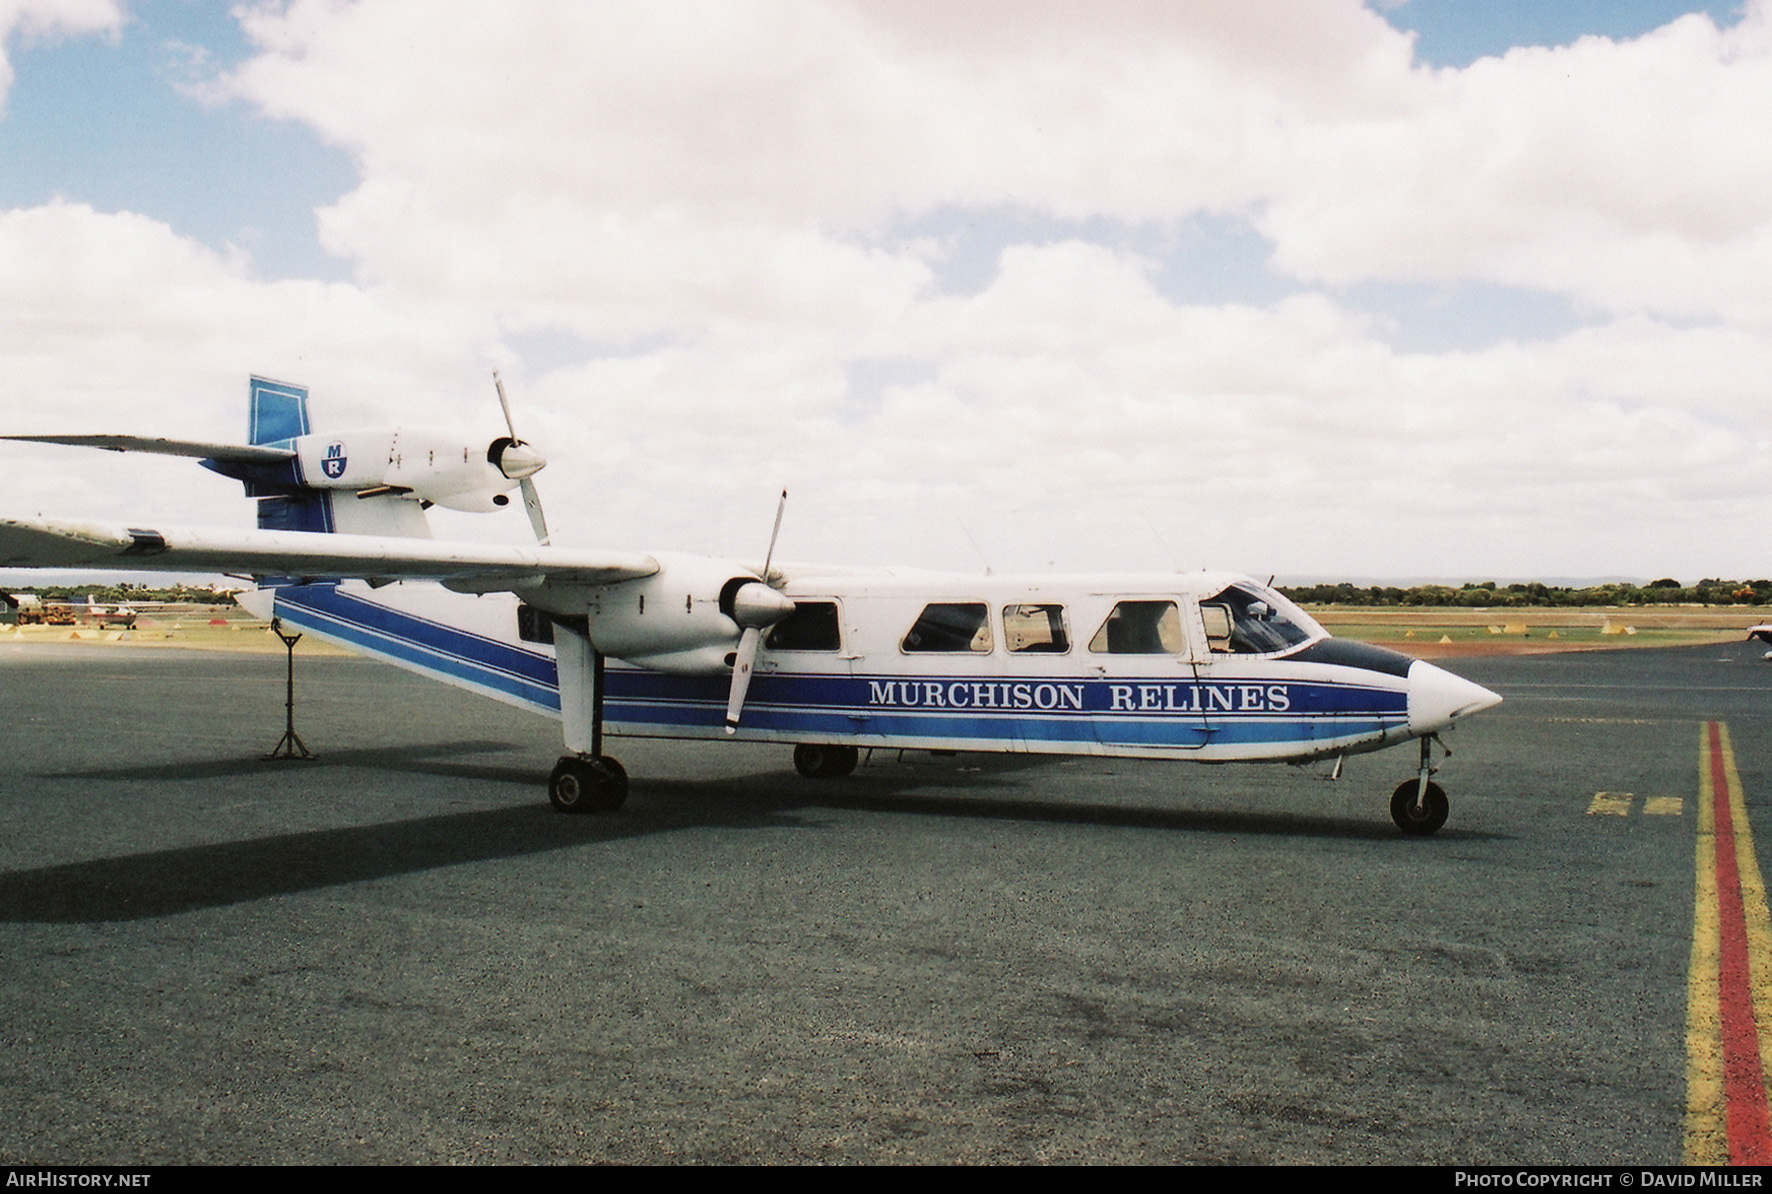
{"x": 243, "y": 453}
{"x": 472, "y": 567}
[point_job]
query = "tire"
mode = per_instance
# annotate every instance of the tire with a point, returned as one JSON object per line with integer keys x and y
{"x": 825, "y": 762}
{"x": 578, "y": 785}
{"x": 1429, "y": 818}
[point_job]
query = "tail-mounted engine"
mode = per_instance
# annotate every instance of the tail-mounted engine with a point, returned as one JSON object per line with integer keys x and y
{"x": 421, "y": 466}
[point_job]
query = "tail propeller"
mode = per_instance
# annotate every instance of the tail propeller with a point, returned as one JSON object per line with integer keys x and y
{"x": 756, "y": 606}
{"x": 520, "y": 462}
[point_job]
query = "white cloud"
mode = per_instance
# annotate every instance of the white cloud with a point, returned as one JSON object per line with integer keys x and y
{"x": 1633, "y": 176}
{"x": 667, "y": 157}
{"x": 700, "y": 198}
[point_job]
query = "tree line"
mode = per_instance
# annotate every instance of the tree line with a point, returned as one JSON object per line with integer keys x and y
{"x": 1489, "y": 594}
{"x": 1484, "y": 594}
{"x": 123, "y": 594}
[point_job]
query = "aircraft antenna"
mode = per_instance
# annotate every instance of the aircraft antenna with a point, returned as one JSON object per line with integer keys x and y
{"x": 1162, "y": 541}
{"x": 769, "y": 556}
{"x": 967, "y": 531}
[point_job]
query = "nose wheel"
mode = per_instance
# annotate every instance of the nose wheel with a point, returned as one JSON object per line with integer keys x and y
{"x": 1419, "y": 812}
{"x": 587, "y": 785}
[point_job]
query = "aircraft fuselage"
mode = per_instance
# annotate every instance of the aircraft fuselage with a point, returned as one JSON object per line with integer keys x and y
{"x": 1204, "y": 666}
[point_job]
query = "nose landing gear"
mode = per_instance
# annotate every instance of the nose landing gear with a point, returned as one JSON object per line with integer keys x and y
{"x": 1419, "y": 805}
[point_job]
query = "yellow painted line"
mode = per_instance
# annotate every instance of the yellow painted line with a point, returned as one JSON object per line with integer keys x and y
{"x": 1610, "y": 804}
{"x": 1729, "y": 979}
{"x": 1664, "y": 806}
{"x": 1707, "y": 1140}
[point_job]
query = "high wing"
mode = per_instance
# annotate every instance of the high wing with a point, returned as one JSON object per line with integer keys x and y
{"x": 466, "y": 567}
{"x": 241, "y": 453}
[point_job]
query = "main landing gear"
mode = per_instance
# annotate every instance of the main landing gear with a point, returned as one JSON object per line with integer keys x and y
{"x": 1419, "y": 805}
{"x": 585, "y": 780}
{"x": 587, "y": 785}
{"x": 825, "y": 762}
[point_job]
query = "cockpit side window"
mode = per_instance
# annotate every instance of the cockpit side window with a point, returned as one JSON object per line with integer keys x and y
{"x": 1140, "y": 628}
{"x": 813, "y": 626}
{"x": 1241, "y": 621}
{"x": 950, "y": 626}
{"x": 1218, "y": 626}
{"x": 1029, "y": 629}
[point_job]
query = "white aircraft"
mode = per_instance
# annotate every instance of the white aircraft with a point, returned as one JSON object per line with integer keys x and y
{"x": 1206, "y": 666}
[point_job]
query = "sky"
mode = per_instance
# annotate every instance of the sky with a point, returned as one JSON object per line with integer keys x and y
{"x": 1315, "y": 288}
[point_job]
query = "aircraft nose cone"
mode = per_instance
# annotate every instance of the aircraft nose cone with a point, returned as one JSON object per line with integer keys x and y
{"x": 520, "y": 460}
{"x": 1437, "y": 698}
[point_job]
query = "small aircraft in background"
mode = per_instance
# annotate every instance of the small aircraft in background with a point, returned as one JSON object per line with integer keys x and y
{"x": 1205, "y": 667}
{"x": 33, "y": 610}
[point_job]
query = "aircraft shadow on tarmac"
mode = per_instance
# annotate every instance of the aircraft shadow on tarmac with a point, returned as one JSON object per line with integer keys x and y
{"x": 181, "y": 879}
{"x": 439, "y": 759}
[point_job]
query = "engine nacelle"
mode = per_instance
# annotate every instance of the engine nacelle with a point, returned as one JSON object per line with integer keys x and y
{"x": 419, "y": 465}
{"x": 686, "y": 617}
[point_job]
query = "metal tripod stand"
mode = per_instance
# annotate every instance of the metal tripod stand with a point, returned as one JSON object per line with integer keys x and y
{"x": 290, "y": 744}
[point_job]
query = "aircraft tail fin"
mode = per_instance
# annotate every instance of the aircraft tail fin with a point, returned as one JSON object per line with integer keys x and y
{"x": 277, "y": 415}
{"x": 277, "y": 411}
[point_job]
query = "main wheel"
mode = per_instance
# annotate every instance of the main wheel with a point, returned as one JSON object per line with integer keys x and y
{"x": 825, "y": 762}
{"x": 1419, "y": 821}
{"x": 579, "y": 785}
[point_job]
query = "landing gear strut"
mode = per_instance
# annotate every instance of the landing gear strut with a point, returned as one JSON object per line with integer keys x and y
{"x": 1419, "y": 805}
{"x": 586, "y": 780}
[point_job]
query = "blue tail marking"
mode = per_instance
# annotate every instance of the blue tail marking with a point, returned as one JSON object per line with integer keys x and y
{"x": 279, "y": 411}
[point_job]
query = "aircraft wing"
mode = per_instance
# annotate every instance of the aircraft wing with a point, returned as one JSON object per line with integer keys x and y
{"x": 469, "y": 567}
{"x": 243, "y": 453}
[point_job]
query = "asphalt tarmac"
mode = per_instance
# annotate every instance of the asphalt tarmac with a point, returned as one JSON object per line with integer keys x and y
{"x": 398, "y": 953}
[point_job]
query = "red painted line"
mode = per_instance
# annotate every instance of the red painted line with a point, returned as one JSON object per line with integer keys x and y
{"x": 1744, "y": 1079}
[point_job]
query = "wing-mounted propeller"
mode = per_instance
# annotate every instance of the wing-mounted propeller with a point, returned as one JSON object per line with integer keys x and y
{"x": 755, "y": 606}
{"x": 520, "y": 462}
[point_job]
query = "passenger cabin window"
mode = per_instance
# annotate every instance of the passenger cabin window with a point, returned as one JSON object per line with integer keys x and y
{"x": 813, "y": 626}
{"x": 1034, "y": 629}
{"x": 1242, "y": 621}
{"x": 1140, "y": 628}
{"x": 950, "y": 626}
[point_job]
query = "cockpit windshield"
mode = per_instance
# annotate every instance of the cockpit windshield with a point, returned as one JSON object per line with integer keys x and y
{"x": 1252, "y": 619}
